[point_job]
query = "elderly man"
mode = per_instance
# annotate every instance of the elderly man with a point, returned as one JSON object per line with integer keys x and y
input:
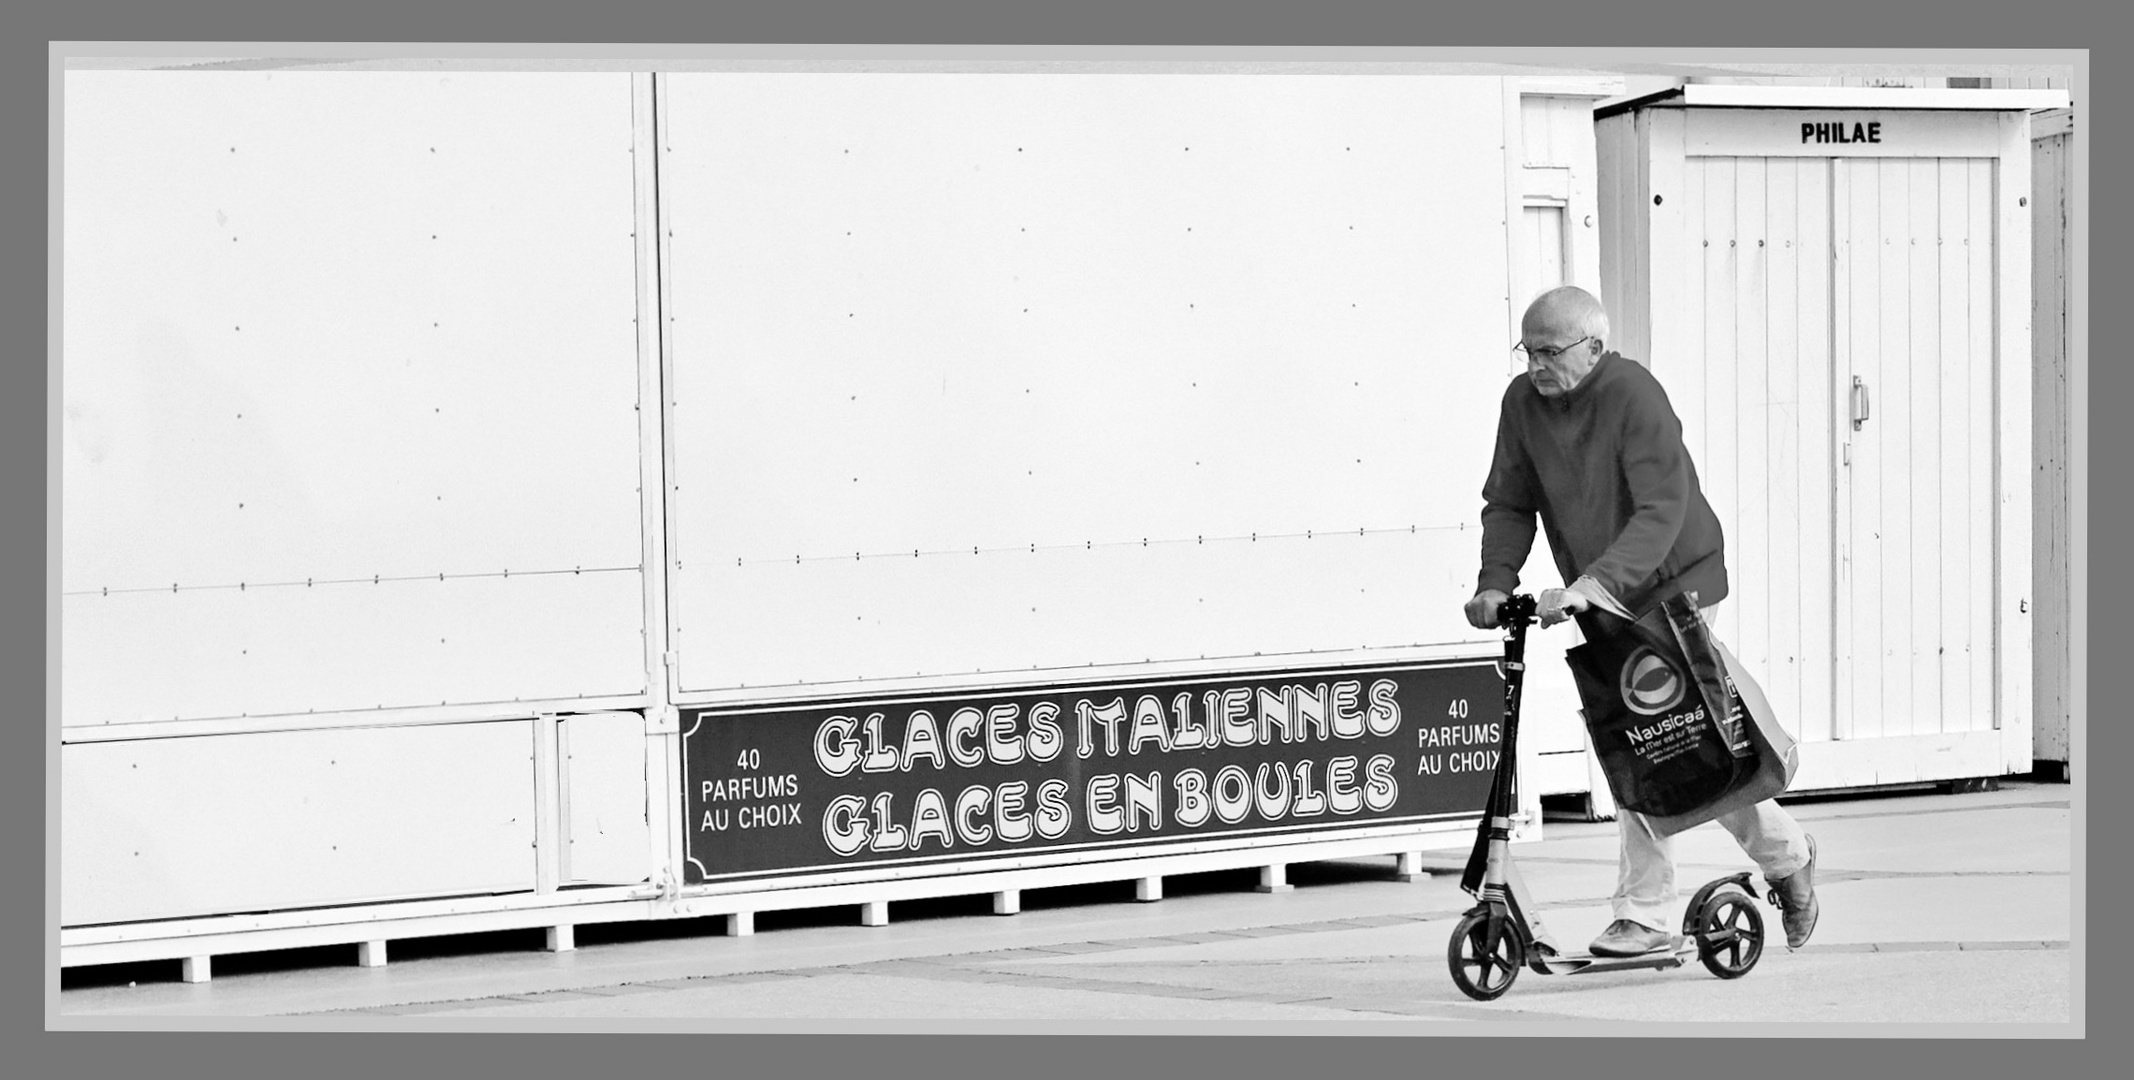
{"x": 1588, "y": 440}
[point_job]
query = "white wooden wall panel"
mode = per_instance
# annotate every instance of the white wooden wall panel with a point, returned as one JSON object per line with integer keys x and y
{"x": 133, "y": 658}
{"x": 2014, "y": 600}
{"x": 170, "y": 828}
{"x": 2051, "y": 165}
{"x": 606, "y": 809}
{"x": 324, "y": 326}
{"x": 937, "y": 312}
{"x": 1013, "y": 611}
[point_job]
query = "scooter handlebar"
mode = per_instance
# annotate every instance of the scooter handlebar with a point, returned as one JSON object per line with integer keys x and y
{"x": 1516, "y": 611}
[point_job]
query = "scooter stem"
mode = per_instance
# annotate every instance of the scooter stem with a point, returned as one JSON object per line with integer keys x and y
{"x": 1515, "y": 614}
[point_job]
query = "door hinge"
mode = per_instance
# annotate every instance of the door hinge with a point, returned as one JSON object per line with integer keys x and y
{"x": 664, "y": 720}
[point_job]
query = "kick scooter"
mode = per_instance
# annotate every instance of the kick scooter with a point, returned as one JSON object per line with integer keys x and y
{"x": 1502, "y": 933}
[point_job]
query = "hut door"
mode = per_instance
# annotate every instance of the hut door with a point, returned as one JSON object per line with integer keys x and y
{"x": 1839, "y": 407}
{"x": 1913, "y": 341}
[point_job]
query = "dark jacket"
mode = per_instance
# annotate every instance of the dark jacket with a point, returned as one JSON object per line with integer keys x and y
{"x": 1605, "y": 467}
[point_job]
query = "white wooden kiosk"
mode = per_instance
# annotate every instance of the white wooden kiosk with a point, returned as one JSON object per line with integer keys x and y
{"x": 1834, "y": 286}
{"x": 468, "y": 525}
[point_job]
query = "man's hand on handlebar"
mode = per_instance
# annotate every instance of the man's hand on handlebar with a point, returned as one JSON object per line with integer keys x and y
{"x": 1556, "y": 605}
{"x": 1482, "y": 610}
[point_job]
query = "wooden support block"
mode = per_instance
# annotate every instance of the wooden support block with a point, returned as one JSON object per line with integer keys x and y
{"x": 874, "y": 913}
{"x": 1148, "y": 889}
{"x": 741, "y": 924}
{"x": 1008, "y": 902}
{"x": 197, "y": 969}
{"x": 371, "y": 954}
{"x": 1409, "y": 867}
{"x": 562, "y": 938}
{"x": 1273, "y": 878}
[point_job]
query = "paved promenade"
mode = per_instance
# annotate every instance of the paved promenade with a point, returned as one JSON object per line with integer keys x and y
{"x": 1937, "y": 909}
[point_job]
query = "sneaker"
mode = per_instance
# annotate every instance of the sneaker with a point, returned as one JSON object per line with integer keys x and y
{"x": 1794, "y": 897}
{"x": 1626, "y": 938}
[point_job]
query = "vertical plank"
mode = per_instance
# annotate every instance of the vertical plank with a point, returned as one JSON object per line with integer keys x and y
{"x": 1890, "y": 430}
{"x": 1960, "y": 492}
{"x": 1844, "y": 620}
{"x": 1575, "y": 139}
{"x": 2050, "y": 522}
{"x": 1570, "y": 122}
{"x": 1864, "y": 609}
{"x": 1815, "y": 377}
{"x": 1714, "y": 449}
{"x": 548, "y": 804}
{"x": 1609, "y": 156}
{"x": 662, "y": 754}
{"x": 1644, "y": 243}
{"x": 1681, "y": 369}
{"x": 1978, "y": 376}
{"x": 1534, "y": 130}
{"x": 1518, "y": 261}
{"x": 1923, "y": 512}
{"x": 2013, "y": 652}
{"x": 1673, "y": 262}
{"x": 1754, "y": 475}
{"x": 1788, "y": 481}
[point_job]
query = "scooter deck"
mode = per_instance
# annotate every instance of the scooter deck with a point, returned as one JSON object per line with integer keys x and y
{"x": 1679, "y": 952}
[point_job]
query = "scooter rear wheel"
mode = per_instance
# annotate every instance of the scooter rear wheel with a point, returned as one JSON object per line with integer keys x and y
{"x": 1481, "y": 971}
{"x": 1730, "y": 933}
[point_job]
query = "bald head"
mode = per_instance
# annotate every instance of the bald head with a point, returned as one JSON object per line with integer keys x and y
{"x": 1562, "y": 334}
{"x": 1567, "y": 311}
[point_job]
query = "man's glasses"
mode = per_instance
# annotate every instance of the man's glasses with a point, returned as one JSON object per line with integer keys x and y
{"x": 1548, "y": 355}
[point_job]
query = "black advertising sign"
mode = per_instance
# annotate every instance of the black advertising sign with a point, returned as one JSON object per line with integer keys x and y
{"x": 967, "y": 776}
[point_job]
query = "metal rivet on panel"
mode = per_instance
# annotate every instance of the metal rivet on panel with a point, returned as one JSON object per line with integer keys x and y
{"x": 1656, "y": 200}
{"x": 2022, "y": 201}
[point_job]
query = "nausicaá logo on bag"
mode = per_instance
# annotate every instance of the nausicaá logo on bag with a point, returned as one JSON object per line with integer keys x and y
{"x": 1650, "y": 684}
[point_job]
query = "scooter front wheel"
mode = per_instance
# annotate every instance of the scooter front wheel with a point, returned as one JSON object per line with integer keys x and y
{"x": 1730, "y": 933}
{"x": 1482, "y": 969}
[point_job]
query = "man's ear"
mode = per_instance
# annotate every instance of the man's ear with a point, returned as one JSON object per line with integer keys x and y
{"x": 1599, "y": 346}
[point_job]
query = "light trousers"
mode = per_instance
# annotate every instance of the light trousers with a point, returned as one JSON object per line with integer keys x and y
{"x": 1645, "y": 890}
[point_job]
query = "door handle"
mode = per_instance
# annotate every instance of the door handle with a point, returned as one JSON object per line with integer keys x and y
{"x": 1860, "y": 403}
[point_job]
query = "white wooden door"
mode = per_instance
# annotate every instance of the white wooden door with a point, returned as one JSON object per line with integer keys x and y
{"x": 1860, "y": 554}
{"x": 1914, "y": 334}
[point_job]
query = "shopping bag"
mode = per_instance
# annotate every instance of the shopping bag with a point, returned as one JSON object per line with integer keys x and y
{"x": 1670, "y": 737}
{"x": 1777, "y": 756}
